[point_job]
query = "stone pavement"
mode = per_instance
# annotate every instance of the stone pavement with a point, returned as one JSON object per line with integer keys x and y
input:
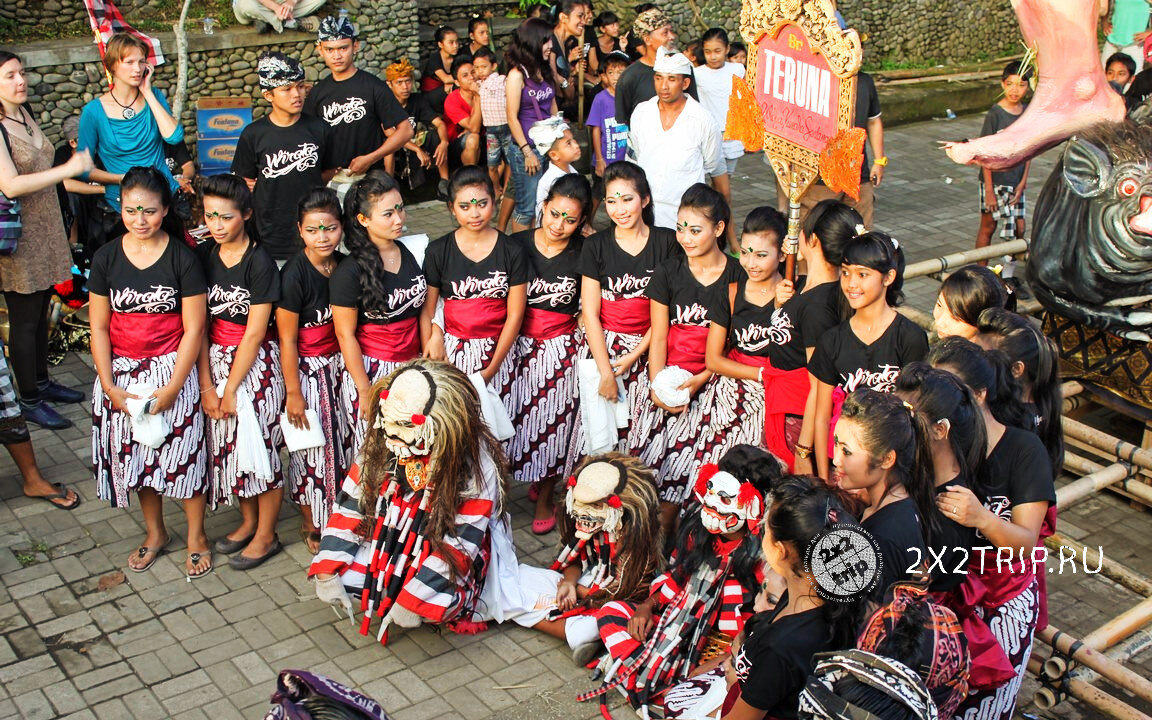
{"x": 80, "y": 638}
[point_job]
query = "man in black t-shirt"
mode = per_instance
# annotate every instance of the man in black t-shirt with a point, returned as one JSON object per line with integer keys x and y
{"x": 867, "y": 117}
{"x": 282, "y": 155}
{"x": 428, "y": 145}
{"x": 356, "y": 104}
{"x": 638, "y": 83}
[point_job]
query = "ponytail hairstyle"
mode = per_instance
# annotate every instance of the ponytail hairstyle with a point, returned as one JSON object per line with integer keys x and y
{"x": 767, "y": 219}
{"x": 983, "y": 370}
{"x": 574, "y": 187}
{"x": 1023, "y": 343}
{"x": 802, "y": 507}
{"x": 971, "y": 290}
{"x": 361, "y": 200}
{"x": 320, "y": 199}
{"x": 880, "y": 252}
{"x": 940, "y": 396}
{"x": 469, "y": 176}
{"x": 888, "y": 424}
{"x": 711, "y": 204}
{"x": 634, "y": 175}
{"x": 833, "y": 224}
{"x": 153, "y": 181}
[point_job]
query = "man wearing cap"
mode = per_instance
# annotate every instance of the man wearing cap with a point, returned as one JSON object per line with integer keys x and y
{"x": 356, "y": 104}
{"x": 282, "y": 155}
{"x": 636, "y": 84}
{"x": 673, "y": 137}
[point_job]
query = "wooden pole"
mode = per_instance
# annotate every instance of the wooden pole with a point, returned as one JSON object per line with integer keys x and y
{"x": 1111, "y": 569}
{"x": 1097, "y": 479}
{"x": 1109, "y": 668}
{"x": 1120, "y": 627}
{"x": 942, "y": 263}
{"x": 792, "y": 242}
{"x": 1108, "y": 444}
{"x": 1090, "y": 694}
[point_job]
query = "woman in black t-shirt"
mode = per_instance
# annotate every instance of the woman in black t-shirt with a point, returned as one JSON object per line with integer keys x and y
{"x": 377, "y": 293}
{"x": 482, "y": 278}
{"x": 616, "y": 266}
{"x": 241, "y": 361}
{"x": 882, "y": 450}
{"x": 868, "y": 349}
{"x": 310, "y": 357}
{"x": 436, "y": 80}
{"x": 147, "y": 318}
{"x": 959, "y": 446}
{"x": 769, "y": 668}
{"x": 682, "y": 292}
{"x": 543, "y": 394}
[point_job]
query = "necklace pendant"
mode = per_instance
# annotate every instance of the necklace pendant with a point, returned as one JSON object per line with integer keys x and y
{"x": 128, "y": 113}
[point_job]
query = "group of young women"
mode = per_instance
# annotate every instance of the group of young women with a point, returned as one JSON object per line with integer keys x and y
{"x": 937, "y": 450}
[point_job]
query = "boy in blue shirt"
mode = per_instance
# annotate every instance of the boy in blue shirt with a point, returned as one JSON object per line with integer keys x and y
{"x": 609, "y": 136}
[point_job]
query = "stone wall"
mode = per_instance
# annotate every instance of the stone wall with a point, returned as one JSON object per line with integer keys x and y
{"x": 36, "y": 12}
{"x": 64, "y": 75}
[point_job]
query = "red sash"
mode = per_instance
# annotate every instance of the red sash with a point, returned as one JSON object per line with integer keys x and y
{"x": 991, "y": 667}
{"x": 630, "y": 316}
{"x": 686, "y": 345}
{"x": 394, "y": 342}
{"x": 316, "y": 341}
{"x": 1047, "y": 529}
{"x": 546, "y": 324}
{"x": 475, "y": 318}
{"x": 145, "y": 335}
{"x": 785, "y": 393}
{"x": 223, "y": 332}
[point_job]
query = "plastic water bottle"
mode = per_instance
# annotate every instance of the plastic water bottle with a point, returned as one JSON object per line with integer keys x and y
{"x": 343, "y": 14}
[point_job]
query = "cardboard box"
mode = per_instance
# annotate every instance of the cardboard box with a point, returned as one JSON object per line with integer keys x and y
{"x": 216, "y": 155}
{"x": 222, "y": 117}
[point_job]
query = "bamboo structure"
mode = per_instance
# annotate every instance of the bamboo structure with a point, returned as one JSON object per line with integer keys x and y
{"x": 1086, "y": 692}
{"x": 942, "y": 263}
{"x": 1109, "y": 668}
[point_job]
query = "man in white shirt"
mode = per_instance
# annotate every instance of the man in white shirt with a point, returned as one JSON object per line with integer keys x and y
{"x": 673, "y": 137}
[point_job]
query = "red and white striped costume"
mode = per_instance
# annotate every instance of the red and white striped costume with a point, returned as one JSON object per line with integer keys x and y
{"x": 395, "y": 563}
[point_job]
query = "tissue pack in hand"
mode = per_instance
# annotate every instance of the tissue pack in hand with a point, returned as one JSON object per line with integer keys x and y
{"x": 147, "y": 429}
{"x": 302, "y": 438}
{"x": 667, "y": 384}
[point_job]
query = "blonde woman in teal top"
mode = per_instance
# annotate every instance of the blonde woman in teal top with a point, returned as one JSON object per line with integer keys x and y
{"x": 128, "y": 125}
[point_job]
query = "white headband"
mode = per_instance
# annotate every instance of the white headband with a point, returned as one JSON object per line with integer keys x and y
{"x": 672, "y": 63}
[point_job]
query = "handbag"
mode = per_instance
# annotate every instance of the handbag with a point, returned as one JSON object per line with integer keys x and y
{"x": 11, "y": 228}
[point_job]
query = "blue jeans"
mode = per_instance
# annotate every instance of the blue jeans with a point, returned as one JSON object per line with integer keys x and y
{"x": 524, "y": 186}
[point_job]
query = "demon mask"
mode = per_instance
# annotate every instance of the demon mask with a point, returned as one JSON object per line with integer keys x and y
{"x": 404, "y": 414}
{"x": 593, "y": 500}
{"x": 726, "y": 504}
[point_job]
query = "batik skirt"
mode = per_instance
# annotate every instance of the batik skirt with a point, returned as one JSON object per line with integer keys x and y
{"x": 1014, "y": 625}
{"x": 355, "y": 427}
{"x": 315, "y": 474}
{"x": 542, "y": 403}
{"x": 472, "y": 356}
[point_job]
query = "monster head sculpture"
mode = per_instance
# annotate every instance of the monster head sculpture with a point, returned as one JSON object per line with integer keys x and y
{"x": 1091, "y": 253}
{"x": 610, "y": 493}
{"x": 726, "y": 504}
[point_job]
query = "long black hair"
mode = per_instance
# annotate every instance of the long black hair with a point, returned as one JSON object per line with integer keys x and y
{"x": 634, "y": 175}
{"x": 153, "y": 181}
{"x": 709, "y": 203}
{"x": 526, "y": 50}
{"x": 801, "y": 508}
{"x": 361, "y": 200}
{"x": 574, "y": 187}
{"x": 833, "y": 224}
{"x": 1023, "y": 342}
{"x": 970, "y": 291}
{"x": 881, "y": 253}
{"x": 939, "y": 395}
{"x": 888, "y": 425}
{"x": 989, "y": 371}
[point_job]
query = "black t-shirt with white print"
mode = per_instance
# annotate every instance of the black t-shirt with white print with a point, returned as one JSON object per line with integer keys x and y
{"x": 623, "y": 276}
{"x": 233, "y": 290}
{"x": 776, "y": 658}
{"x": 406, "y": 290}
{"x": 156, "y": 289}
{"x": 304, "y": 291}
{"x": 1019, "y": 472}
{"x": 841, "y": 359}
{"x": 553, "y": 282}
{"x": 459, "y": 278}
{"x": 286, "y": 162}
{"x": 689, "y": 302}
{"x": 357, "y": 109}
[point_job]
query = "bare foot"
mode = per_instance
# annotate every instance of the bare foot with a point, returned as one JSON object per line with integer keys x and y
{"x": 1071, "y": 93}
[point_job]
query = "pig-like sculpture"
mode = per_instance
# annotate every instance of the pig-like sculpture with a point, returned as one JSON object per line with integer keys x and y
{"x": 1091, "y": 252}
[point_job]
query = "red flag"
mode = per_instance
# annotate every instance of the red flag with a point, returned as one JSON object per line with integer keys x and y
{"x": 106, "y": 20}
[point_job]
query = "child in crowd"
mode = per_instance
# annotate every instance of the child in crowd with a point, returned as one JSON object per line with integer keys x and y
{"x": 609, "y": 135}
{"x": 436, "y": 81}
{"x": 963, "y": 296}
{"x": 282, "y": 155}
{"x": 462, "y": 112}
{"x": 714, "y": 83}
{"x": 479, "y": 36}
{"x": 497, "y": 136}
{"x": 607, "y": 42}
{"x": 738, "y": 53}
{"x": 1119, "y": 71}
{"x": 240, "y": 373}
{"x": 310, "y": 357}
{"x": 553, "y": 139}
{"x": 1002, "y": 192}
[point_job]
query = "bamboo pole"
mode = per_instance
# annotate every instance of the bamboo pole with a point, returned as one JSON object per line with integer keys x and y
{"x": 1116, "y": 572}
{"x": 1120, "y": 627}
{"x": 942, "y": 263}
{"x": 1092, "y": 482}
{"x": 1086, "y": 692}
{"x": 1109, "y": 668}
{"x": 1106, "y": 443}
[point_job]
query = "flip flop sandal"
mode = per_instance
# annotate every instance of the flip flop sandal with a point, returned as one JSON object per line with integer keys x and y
{"x": 143, "y": 551}
{"x": 196, "y": 557}
{"x": 60, "y": 494}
